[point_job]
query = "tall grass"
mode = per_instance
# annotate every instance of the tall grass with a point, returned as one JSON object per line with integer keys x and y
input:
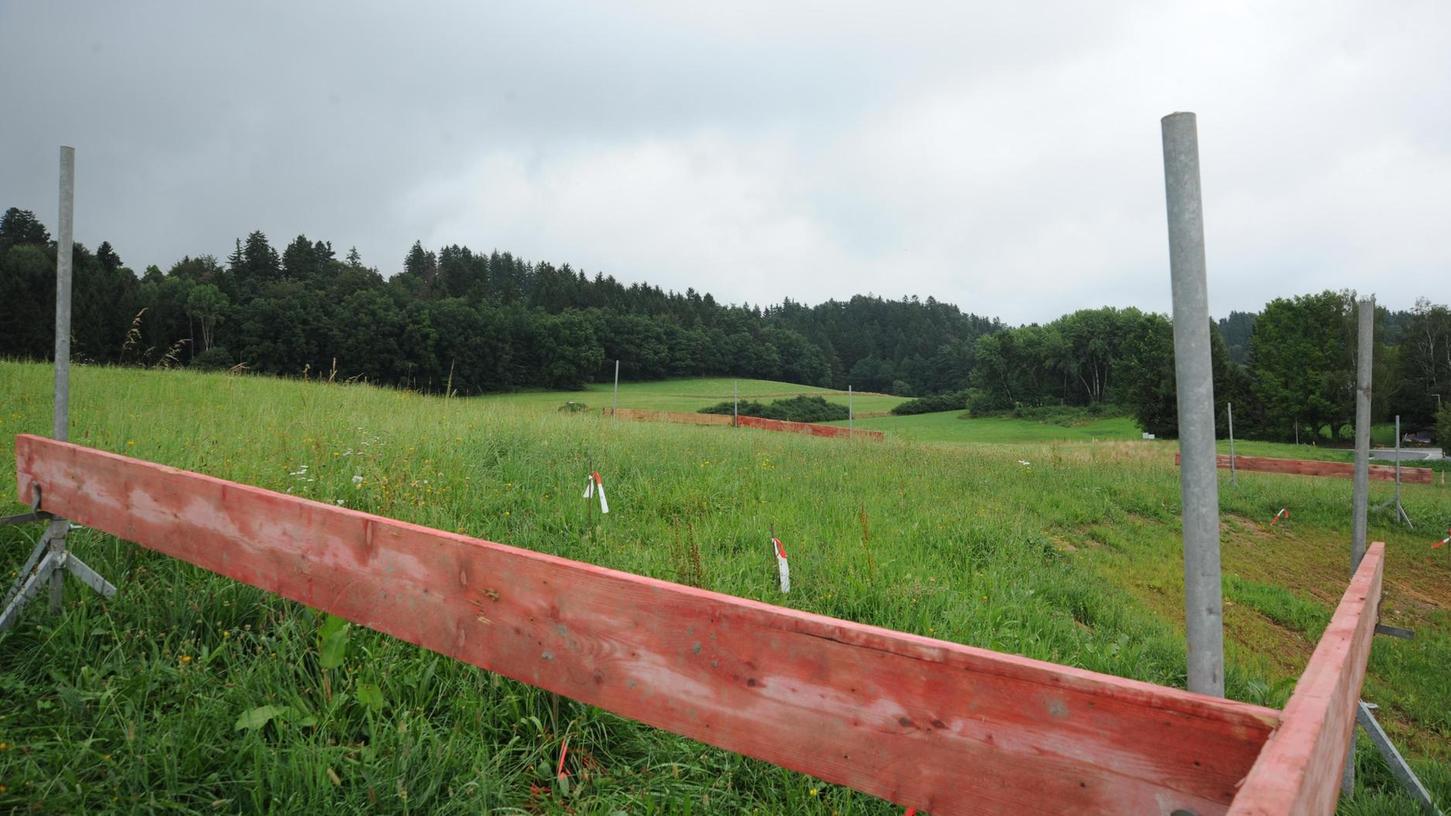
{"x": 152, "y": 701}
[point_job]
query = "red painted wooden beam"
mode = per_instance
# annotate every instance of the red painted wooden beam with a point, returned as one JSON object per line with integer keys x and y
{"x": 1314, "y": 467}
{"x": 1299, "y": 771}
{"x": 938, "y": 726}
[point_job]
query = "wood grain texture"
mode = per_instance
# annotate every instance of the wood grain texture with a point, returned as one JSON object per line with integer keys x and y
{"x": 835, "y": 431}
{"x": 924, "y": 723}
{"x": 1299, "y": 770}
{"x": 1311, "y": 467}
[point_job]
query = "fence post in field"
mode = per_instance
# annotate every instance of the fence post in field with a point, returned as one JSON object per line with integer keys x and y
{"x": 1360, "y": 494}
{"x": 50, "y": 559}
{"x": 1233, "y": 471}
{"x": 615, "y": 404}
{"x": 1400, "y": 508}
{"x": 735, "y": 403}
{"x": 1198, "y": 481}
{"x": 64, "y": 260}
{"x": 850, "y": 414}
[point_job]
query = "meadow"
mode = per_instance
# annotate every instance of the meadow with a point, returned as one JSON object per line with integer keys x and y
{"x": 190, "y": 693}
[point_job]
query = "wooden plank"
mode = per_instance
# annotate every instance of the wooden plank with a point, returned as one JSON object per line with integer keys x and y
{"x": 1313, "y": 467}
{"x": 1299, "y": 770}
{"x": 924, "y": 723}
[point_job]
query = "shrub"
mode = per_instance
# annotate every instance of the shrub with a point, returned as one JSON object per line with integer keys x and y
{"x": 215, "y": 358}
{"x": 1443, "y": 427}
{"x": 955, "y": 401}
{"x": 795, "y": 409}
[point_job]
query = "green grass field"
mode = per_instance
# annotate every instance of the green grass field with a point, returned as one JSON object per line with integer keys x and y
{"x": 154, "y": 702}
{"x": 691, "y": 395}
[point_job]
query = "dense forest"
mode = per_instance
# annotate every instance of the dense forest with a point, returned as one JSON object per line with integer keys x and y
{"x": 471, "y": 322}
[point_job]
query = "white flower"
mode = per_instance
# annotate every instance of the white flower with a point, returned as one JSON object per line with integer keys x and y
{"x": 357, "y": 478}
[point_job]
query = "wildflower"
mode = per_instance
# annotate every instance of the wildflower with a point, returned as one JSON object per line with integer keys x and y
{"x": 357, "y": 478}
{"x": 130, "y": 443}
{"x": 185, "y": 660}
{"x": 814, "y": 791}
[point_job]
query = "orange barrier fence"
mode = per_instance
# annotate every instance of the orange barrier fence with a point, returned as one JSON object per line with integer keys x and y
{"x": 638, "y": 415}
{"x": 1312, "y": 467}
{"x": 805, "y": 427}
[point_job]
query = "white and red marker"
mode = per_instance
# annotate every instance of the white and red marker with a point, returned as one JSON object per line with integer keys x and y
{"x": 781, "y": 566}
{"x": 593, "y": 482}
{"x": 1443, "y": 542}
{"x": 1284, "y": 513}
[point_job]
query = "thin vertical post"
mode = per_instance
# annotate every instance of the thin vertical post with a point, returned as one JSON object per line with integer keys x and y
{"x": 64, "y": 249}
{"x": 614, "y": 406}
{"x": 64, "y": 241}
{"x": 1233, "y": 472}
{"x": 850, "y": 414}
{"x": 1360, "y": 494}
{"x": 735, "y": 403}
{"x": 1364, "y": 349}
{"x": 1198, "y": 481}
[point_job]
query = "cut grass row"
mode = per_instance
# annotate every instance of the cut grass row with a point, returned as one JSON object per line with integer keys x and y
{"x": 132, "y": 705}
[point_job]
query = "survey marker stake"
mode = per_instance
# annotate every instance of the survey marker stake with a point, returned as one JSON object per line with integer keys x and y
{"x": 1284, "y": 513}
{"x": 594, "y": 483}
{"x": 782, "y": 568}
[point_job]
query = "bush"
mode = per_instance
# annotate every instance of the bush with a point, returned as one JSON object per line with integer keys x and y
{"x": 1065, "y": 415}
{"x": 215, "y": 358}
{"x": 955, "y": 401}
{"x": 795, "y": 409}
{"x": 1443, "y": 427}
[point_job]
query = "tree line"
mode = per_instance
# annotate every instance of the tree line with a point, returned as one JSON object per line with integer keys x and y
{"x": 1289, "y": 370}
{"x": 472, "y": 322}
{"x": 458, "y": 319}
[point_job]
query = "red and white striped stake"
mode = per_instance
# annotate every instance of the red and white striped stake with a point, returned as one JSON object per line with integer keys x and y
{"x": 781, "y": 566}
{"x": 1284, "y": 513}
{"x": 1443, "y": 542}
{"x": 592, "y": 483}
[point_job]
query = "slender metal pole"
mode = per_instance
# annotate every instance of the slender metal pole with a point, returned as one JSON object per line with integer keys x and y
{"x": 64, "y": 249}
{"x": 1360, "y": 494}
{"x": 1364, "y": 350}
{"x": 735, "y": 403}
{"x": 64, "y": 241}
{"x": 850, "y": 414}
{"x": 1198, "y": 482}
{"x": 1233, "y": 472}
{"x": 616, "y": 403}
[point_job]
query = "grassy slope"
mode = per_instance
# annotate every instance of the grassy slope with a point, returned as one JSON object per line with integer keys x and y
{"x": 692, "y": 395}
{"x": 130, "y": 705}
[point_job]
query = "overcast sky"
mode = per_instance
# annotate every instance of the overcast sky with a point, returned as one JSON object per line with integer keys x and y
{"x": 1004, "y": 157}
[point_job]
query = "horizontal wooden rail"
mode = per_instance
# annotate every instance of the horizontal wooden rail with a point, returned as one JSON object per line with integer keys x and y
{"x": 1299, "y": 771}
{"x": 1314, "y": 467}
{"x": 805, "y": 427}
{"x": 925, "y": 723}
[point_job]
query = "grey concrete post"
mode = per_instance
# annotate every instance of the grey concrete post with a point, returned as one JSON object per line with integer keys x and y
{"x": 1233, "y": 471}
{"x": 64, "y": 243}
{"x": 1198, "y": 482}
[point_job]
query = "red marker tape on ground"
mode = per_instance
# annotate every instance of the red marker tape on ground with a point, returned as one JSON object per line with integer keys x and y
{"x": 1284, "y": 513}
{"x": 782, "y": 567}
{"x": 1443, "y": 542}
